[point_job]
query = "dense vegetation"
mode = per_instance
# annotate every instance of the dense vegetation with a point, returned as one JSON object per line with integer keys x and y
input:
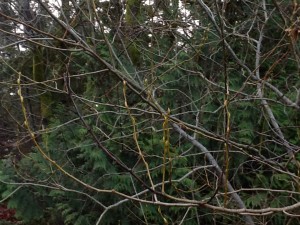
{"x": 150, "y": 112}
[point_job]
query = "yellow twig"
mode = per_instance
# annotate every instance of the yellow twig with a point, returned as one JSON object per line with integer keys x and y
{"x": 135, "y": 138}
{"x": 39, "y": 148}
{"x": 166, "y": 140}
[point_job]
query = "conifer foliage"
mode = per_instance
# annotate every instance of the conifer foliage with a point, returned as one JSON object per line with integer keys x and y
{"x": 149, "y": 112}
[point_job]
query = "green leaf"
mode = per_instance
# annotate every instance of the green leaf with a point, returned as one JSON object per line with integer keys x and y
{"x": 256, "y": 200}
{"x": 26, "y": 205}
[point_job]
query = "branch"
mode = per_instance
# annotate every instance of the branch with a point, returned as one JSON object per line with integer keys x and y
{"x": 281, "y": 96}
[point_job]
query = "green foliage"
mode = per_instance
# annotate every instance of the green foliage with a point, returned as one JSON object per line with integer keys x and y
{"x": 256, "y": 200}
{"x": 174, "y": 55}
{"x": 26, "y": 204}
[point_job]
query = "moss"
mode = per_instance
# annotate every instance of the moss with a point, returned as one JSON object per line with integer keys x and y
{"x": 38, "y": 68}
{"x": 39, "y": 76}
{"x": 133, "y": 19}
{"x": 133, "y": 12}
